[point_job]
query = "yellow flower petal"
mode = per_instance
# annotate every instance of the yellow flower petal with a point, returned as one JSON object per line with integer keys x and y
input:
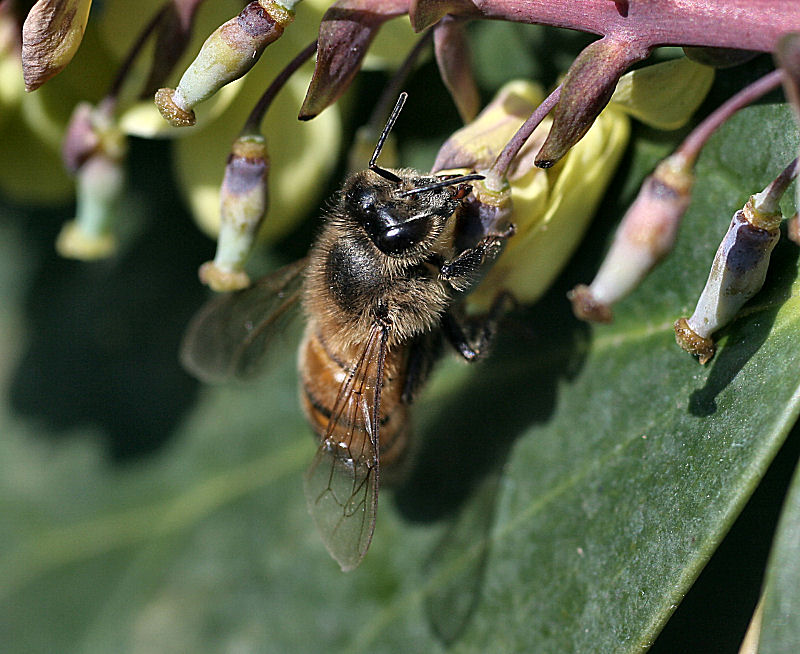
{"x": 664, "y": 95}
{"x": 551, "y": 221}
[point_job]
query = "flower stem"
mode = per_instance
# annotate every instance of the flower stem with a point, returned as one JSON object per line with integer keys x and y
{"x": 135, "y": 51}
{"x": 690, "y": 148}
{"x": 512, "y": 148}
{"x": 392, "y": 90}
{"x": 253, "y": 122}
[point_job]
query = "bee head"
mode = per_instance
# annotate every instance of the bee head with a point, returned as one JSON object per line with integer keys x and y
{"x": 399, "y": 216}
{"x": 400, "y": 210}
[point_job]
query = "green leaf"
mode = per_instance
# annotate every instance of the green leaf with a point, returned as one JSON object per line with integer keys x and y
{"x": 780, "y": 626}
{"x": 623, "y": 461}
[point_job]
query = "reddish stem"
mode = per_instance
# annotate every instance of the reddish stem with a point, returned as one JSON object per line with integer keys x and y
{"x": 512, "y": 148}
{"x": 252, "y": 125}
{"x": 742, "y": 24}
{"x": 693, "y": 143}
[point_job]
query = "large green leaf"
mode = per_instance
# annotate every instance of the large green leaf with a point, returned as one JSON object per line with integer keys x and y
{"x": 780, "y": 626}
{"x": 620, "y": 463}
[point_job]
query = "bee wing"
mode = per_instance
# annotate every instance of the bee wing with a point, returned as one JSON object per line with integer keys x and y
{"x": 341, "y": 485}
{"x": 230, "y": 334}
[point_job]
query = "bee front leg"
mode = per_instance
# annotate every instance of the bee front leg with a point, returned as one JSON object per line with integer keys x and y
{"x": 455, "y": 328}
{"x": 464, "y": 270}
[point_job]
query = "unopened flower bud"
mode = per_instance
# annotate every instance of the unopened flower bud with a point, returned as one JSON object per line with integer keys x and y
{"x": 51, "y": 35}
{"x": 345, "y": 34}
{"x": 94, "y": 150}
{"x": 99, "y": 185}
{"x": 645, "y": 235}
{"x": 586, "y": 90}
{"x": 243, "y": 204}
{"x": 455, "y": 66}
{"x": 737, "y": 274}
{"x": 230, "y": 51}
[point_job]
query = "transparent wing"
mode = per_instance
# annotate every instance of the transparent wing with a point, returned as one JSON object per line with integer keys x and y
{"x": 341, "y": 485}
{"x": 230, "y": 334}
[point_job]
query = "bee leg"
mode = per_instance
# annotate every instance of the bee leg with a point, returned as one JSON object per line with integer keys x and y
{"x": 423, "y": 353}
{"x": 463, "y": 271}
{"x": 455, "y": 328}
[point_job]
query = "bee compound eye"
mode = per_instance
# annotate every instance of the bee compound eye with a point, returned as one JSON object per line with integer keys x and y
{"x": 396, "y": 239}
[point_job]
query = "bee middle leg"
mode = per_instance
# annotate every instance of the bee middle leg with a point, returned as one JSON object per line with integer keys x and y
{"x": 464, "y": 270}
{"x": 456, "y": 327}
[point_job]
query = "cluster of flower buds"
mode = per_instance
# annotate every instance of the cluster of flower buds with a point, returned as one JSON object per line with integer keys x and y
{"x": 739, "y": 268}
{"x": 231, "y": 50}
{"x": 94, "y": 151}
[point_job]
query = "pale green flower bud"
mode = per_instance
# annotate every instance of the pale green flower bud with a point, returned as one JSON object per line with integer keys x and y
{"x": 230, "y": 52}
{"x": 94, "y": 150}
{"x": 99, "y": 185}
{"x": 243, "y": 204}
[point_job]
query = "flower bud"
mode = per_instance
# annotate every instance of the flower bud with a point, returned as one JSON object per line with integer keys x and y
{"x": 737, "y": 274}
{"x": 645, "y": 235}
{"x": 243, "y": 204}
{"x": 94, "y": 150}
{"x": 51, "y": 35}
{"x": 345, "y": 34}
{"x": 230, "y": 51}
{"x": 586, "y": 90}
{"x": 99, "y": 185}
{"x": 455, "y": 66}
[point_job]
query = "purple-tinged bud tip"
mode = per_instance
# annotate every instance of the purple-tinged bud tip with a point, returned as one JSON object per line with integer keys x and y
{"x": 737, "y": 274}
{"x": 345, "y": 34}
{"x": 230, "y": 52}
{"x": 586, "y": 90}
{"x": 243, "y": 205}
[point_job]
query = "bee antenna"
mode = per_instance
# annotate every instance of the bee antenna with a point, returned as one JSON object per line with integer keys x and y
{"x": 441, "y": 184}
{"x": 398, "y": 107}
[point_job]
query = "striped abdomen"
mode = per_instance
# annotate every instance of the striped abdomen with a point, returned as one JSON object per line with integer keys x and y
{"x": 322, "y": 372}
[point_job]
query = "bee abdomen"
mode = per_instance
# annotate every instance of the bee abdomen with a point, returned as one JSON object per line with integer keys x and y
{"x": 322, "y": 373}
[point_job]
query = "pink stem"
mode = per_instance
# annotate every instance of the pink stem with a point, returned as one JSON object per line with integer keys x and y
{"x": 512, "y": 148}
{"x": 693, "y": 143}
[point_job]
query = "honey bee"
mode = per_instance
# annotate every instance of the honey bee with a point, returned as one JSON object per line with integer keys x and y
{"x": 380, "y": 288}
